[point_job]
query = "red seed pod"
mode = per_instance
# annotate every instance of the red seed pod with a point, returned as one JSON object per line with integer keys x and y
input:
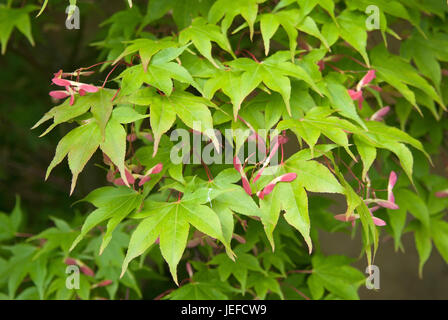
{"x": 87, "y": 271}
{"x": 119, "y": 182}
{"x": 283, "y": 139}
{"x": 129, "y": 176}
{"x": 144, "y": 180}
{"x": 321, "y": 64}
{"x": 110, "y": 176}
{"x": 103, "y": 283}
{"x": 189, "y": 269}
{"x": 59, "y": 94}
{"x": 442, "y": 194}
{"x": 148, "y": 137}
{"x": 238, "y": 167}
{"x": 366, "y": 80}
{"x": 106, "y": 159}
{"x": 156, "y": 169}
{"x": 238, "y": 238}
{"x": 380, "y": 114}
{"x": 131, "y": 137}
{"x": 268, "y": 159}
{"x": 288, "y": 177}
{"x": 70, "y": 261}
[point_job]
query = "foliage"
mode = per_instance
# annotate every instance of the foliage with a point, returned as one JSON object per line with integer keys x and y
{"x": 352, "y": 109}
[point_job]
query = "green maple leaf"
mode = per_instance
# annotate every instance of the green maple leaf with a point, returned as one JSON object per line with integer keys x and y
{"x": 100, "y": 131}
{"x": 60, "y": 236}
{"x": 189, "y": 108}
{"x": 170, "y": 221}
{"x": 146, "y": 49}
{"x": 113, "y": 204}
{"x": 202, "y": 34}
{"x": 351, "y": 28}
{"x": 246, "y": 8}
{"x": 78, "y": 145}
{"x": 197, "y": 291}
{"x": 400, "y": 74}
{"x": 291, "y": 198}
{"x": 9, "y": 224}
{"x": 264, "y": 283}
{"x": 291, "y": 21}
{"x": 288, "y": 19}
{"x": 17, "y": 267}
{"x": 11, "y": 18}
{"x": 236, "y": 85}
{"x": 336, "y": 275}
{"x": 274, "y": 72}
{"x": 317, "y": 122}
{"x": 226, "y": 180}
{"x": 239, "y": 268}
{"x": 158, "y": 74}
{"x": 65, "y": 112}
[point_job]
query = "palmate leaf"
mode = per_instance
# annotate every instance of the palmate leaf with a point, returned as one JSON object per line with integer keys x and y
{"x": 341, "y": 101}
{"x": 159, "y": 75}
{"x": 288, "y": 19}
{"x": 265, "y": 283}
{"x": 239, "y": 268}
{"x": 351, "y": 28}
{"x": 18, "y": 266}
{"x": 291, "y": 21}
{"x": 82, "y": 142}
{"x": 317, "y": 122}
{"x": 9, "y": 224}
{"x": 114, "y": 145}
{"x": 246, "y": 8}
{"x": 171, "y": 222}
{"x": 113, "y": 204}
{"x": 400, "y": 74}
{"x": 336, "y": 275}
{"x": 59, "y": 237}
{"x": 65, "y": 112}
{"x": 291, "y": 197}
{"x": 274, "y": 72}
{"x": 11, "y": 18}
{"x": 146, "y": 49}
{"x": 380, "y": 135}
{"x": 236, "y": 85}
{"x": 191, "y": 109}
{"x": 79, "y": 144}
{"x": 308, "y": 6}
{"x": 202, "y": 34}
{"x": 226, "y": 180}
{"x": 425, "y": 55}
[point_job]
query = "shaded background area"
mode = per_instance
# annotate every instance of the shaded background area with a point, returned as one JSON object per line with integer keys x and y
{"x": 25, "y": 78}
{"x": 398, "y": 271}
